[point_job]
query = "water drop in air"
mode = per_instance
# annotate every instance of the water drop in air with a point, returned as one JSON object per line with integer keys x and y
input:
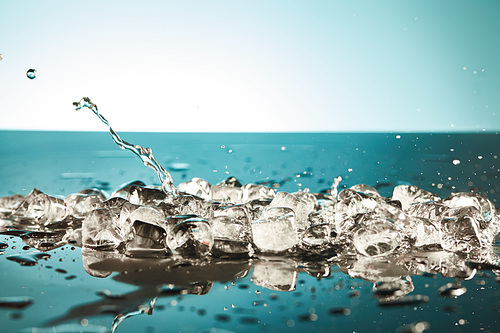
{"x": 31, "y": 73}
{"x": 456, "y": 162}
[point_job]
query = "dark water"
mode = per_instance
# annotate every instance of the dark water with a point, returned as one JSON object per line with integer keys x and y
{"x": 54, "y": 293}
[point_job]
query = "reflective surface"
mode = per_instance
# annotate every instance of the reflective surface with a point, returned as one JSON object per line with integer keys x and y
{"x": 97, "y": 291}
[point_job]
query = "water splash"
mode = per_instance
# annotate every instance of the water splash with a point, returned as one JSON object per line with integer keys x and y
{"x": 145, "y": 154}
{"x": 146, "y": 308}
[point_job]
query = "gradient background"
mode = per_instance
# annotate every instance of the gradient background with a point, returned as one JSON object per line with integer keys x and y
{"x": 235, "y": 66}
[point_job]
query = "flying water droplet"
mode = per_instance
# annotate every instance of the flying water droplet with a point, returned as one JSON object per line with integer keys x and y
{"x": 31, "y": 73}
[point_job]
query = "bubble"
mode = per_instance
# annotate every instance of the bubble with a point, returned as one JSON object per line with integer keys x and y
{"x": 31, "y": 73}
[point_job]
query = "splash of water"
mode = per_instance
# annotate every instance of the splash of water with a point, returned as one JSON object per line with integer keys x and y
{"x": 145, "y": 154}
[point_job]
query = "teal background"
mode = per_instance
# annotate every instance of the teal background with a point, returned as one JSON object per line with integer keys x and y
{"x": 252, "y": 66}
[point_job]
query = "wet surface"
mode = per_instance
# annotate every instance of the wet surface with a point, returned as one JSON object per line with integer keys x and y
{"x": 49, "y": 284}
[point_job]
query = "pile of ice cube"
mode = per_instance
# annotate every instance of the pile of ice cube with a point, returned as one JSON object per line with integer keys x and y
{"x": 228, "y": 220}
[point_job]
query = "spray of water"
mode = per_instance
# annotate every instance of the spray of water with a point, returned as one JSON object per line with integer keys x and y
{"x": 145, "y": 154}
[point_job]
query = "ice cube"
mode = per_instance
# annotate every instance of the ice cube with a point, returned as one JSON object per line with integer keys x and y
{"x": 10, "y": 203}
{"x": 408, "y": 194}
{"x": 316, "y": 238}
{"x": 432, "y": 211}
{"x": 184, "y": 204}
{"x": 147, "y": 240}
{"x": 257, "y": 192}
{"x": 300, "y": 207}
{"x": 227, "y": 194}
{"x": 131, "y": 213}
{"x": 365, "y": 189}
{"x": 114, "y": 203}
{"x": 376, "y": 237}
{"x": 256, "y": 207}
{"x": 149, "y": 196}
{"x": 275, "y": 232}
{"x": 191, "y": 237}
{"x": 457, "y": 200}
{"x": 350, "y": 204}
{"x": 81, "y": 203}
{"x": 280, "y": 275}
{"x": 124, "y": 190}
{"x": 421, "y": 231}
{"x": 100, "y": 230}
{"x": 230, "y": 235}
{"x": 464, "y": 230}
{"x": 231, "y": 181}
{"x": 196, "y": 186}
{"x": 40, "y": 208}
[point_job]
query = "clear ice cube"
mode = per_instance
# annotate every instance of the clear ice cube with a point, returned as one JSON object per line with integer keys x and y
{"x": 40, "y": 208}
{"x": 257, "y": 192}
{"x": 131, "y": 213}
{"x": 100, "y": 230}
{"x": 196, "y": 186}
{"x": 316, "y": 238}
{"x": 365, "y": 189}
{"x": 150, "y": 196}
{"x": 300, "y": 207}
{"x": 10, "y": 203}
{"x": 147, "y": 240}
{"x": 191, "y": 237}
{"x": 464, "y": 230}
{"x": 124, "y": 190}
{"x": 275, "y": 232}
{"x": 81, "y": 203}
{"x": 376, "y": 237}
{"x": 230, "y": 235}
{"x": 227, "y": 194}
{"x": 408, "y": 194}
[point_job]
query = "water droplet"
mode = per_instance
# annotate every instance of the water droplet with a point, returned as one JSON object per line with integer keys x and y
{"x": 452, "y": 290}
{"x": 1, "y": 57}
{"x": 31, "y": 73}
{"x": 15, "y": 302}
{"x": 456, "y": 162}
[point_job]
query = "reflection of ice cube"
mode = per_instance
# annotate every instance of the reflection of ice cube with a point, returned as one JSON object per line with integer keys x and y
{"x": 196, "y": 186}
{"x": 191, "y": 237}
{"x": 300, "y": 207}
{"x": 100, "y": 230}
{"x": 390, "y": 291}
{"x": 40, "y": 208}
{"x": 80, "y": 204}
{"x": 275, "y": 275}
{"x": 408, "y": 194}
{"x": 274, "y": 231}
{"x": 376, "y": 237}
